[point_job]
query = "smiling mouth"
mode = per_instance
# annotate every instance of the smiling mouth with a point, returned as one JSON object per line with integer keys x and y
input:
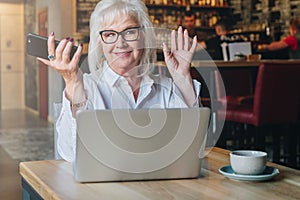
{"x": 123, "y": 53}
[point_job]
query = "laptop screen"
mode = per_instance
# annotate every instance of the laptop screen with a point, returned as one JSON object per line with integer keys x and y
{"x": 239, "y": 48}
{"x": 115, "y": 145}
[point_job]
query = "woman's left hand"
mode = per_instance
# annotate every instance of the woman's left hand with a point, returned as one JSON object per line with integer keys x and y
{"x": 178, "y": 60}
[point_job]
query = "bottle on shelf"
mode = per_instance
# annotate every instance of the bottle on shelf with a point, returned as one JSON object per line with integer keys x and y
{"x": 179, "y": 18}
{"x": 198, "y": 19}
{"x": 158, "y": 2}
{"x": 268, "y": 30}
{"x": 205, "y": 3}
{"x": 225, "y": 3}
{"x": 170, "y": 13}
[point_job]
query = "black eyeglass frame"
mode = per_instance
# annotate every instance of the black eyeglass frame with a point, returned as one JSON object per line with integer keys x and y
{"x": 121, "y": 33}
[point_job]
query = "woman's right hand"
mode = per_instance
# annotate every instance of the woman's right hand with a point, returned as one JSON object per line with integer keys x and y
{"x": 68, "y": 68}
{"x": 62, "y": 63}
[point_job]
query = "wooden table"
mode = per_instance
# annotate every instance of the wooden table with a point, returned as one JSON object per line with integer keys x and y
{"x": 53, "y": 179}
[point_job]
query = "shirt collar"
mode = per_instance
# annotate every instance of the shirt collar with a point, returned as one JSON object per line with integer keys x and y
{"x": 113, "y": 78}
{"x": 109, "y": 75}
{"x": 147, "y": 80}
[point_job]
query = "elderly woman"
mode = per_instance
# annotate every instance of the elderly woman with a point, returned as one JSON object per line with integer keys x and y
{"x": 120, "y": 58}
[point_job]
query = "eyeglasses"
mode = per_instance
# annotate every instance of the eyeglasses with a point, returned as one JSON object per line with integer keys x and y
{"x": 111, "y": 36}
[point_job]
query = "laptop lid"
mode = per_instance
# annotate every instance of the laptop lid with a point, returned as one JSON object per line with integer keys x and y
{"x": 239, "y": 48}
{"x": 139, "y": 144}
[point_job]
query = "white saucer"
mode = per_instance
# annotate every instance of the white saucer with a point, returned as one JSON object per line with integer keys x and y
{"x": 269, "y": 173}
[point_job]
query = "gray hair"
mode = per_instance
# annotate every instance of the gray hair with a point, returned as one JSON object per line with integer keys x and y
{"x": 107, "y": 11}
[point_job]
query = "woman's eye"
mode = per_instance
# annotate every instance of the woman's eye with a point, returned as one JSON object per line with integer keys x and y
{"x": 110, "y": 34}
{"x": 130, "y": 32}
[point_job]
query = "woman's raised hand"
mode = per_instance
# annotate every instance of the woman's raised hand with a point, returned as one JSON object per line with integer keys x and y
{"x": 178, "y": 59}
{"x": 59, "y": 58}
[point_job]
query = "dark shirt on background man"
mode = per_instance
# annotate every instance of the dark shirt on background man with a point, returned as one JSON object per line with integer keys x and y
{"x": 213, "y": 45}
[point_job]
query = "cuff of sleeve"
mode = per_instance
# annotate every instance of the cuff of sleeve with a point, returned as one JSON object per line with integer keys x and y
{"x": 65, "y": 102}
{"x": 68, "y": 106}
{"x": 197, "y": 88}
{"x": 179, "y": 98}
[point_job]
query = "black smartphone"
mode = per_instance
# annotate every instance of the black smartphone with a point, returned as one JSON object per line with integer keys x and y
{"x": 36, "y": 45}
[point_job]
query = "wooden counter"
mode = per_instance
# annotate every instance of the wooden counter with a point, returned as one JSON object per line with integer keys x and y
{"x": 53, "y": 179}
{"x": 220, "y": 63}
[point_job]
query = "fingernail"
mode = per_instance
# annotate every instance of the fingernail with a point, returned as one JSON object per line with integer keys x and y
{"x": 67, "y": 38}
{"x": 81, "y": 44}
{"x": 71, "y": 40}
{"x": 52, "y": 33}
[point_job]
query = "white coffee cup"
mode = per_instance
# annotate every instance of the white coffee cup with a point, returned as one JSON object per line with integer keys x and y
{"x": 248, "y": 162}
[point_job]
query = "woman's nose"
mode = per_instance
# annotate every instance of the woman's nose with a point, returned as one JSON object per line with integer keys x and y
{"x": 121, "y": 43}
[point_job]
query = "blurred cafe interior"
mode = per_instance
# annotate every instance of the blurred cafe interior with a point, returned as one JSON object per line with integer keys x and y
{"x": 261, "y": 97}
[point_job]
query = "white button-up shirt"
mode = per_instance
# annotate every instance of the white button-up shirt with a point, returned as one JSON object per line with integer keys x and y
{"x": 108, "y": 90}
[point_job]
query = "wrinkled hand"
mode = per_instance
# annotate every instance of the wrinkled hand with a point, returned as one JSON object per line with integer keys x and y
{"x": 62, "y": 62}
{"x": 178, "y": 59}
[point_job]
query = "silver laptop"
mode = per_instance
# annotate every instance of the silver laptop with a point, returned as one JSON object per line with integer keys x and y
{"x": 239, "y": 48}
{"x": 141, "y": 144}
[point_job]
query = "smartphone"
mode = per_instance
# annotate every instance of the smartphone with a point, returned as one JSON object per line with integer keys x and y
{"x": 36, "y": 45}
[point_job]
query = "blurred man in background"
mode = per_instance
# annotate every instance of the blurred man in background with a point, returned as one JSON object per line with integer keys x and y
{"x": 189, "y": 23}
